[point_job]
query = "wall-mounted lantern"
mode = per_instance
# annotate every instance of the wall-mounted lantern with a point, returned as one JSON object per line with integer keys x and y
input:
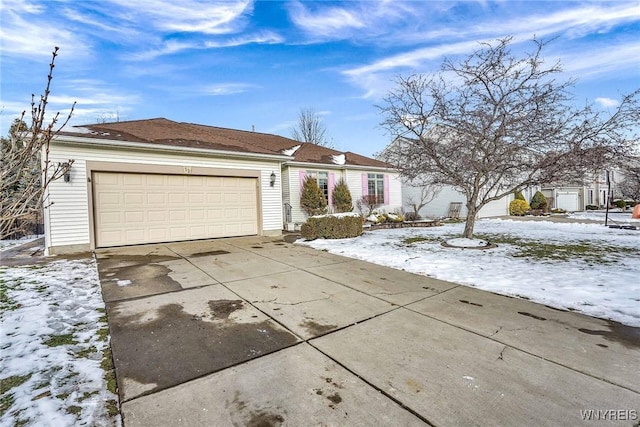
{"x": 67, "y": 171}
{"x": 272, "y": 180}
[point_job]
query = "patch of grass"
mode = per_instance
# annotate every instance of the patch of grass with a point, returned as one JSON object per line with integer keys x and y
{"x": 73, "y": 409}
{"x": 103, "y": 334}
{"x": 6, "y": 303}
{"x": 109, "y": 371}
{"x": 411, "y": 240}
{"x": 86, "y": 352}
{"x": 87, "y": 395}
{"x": 112, "y": 408}
{"x": 553, "y": 251}
{"x": 58, "y": 340}
{"x": 110, "y": 377}
{"x": 6, "y": 384}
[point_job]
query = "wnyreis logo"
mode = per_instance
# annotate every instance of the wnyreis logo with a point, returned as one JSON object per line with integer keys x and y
{"x": 609, "y": 414}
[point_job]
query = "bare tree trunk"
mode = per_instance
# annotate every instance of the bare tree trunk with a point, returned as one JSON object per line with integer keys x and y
{"x": 471, "y": 221}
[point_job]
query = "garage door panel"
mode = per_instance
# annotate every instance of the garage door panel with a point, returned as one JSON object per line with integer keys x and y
{"x": 110, "y": 218}
{"x": 156, "y": 198}
{"x": 107, "y": 198}
{"x": 134, "y": 217}
{"x": 147, "y": 208}
{"x": 133, "y": 180}
{"x": 133, "y": 198}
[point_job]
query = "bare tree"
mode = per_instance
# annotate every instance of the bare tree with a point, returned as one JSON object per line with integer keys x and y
{"x": 26, "y": 169}
{"x": 630, "y": 185}
{"x": 310, "y": 129}
{"x": 495, "y": 123}
{"x": 427, "y": 191}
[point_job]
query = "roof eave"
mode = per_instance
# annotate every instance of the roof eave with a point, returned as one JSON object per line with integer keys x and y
{"x": 334, "y": 166}
{"x": 145, "y": 146}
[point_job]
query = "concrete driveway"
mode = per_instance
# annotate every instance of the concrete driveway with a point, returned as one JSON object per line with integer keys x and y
{"x": 259, "y": 332}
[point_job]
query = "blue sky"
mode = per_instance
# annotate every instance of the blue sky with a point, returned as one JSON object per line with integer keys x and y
{"x": 240, "y": 64}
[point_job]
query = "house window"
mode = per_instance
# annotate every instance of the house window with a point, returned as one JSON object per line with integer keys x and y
{"x": 322, "y": 178}
{"x": 375, "y": 183}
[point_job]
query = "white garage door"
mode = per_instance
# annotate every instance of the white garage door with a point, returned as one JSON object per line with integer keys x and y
{"x": 568, "y": 202}
{"x": 134, "y": 208}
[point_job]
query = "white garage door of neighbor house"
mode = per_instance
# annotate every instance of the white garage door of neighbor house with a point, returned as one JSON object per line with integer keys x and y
{"x": 131, "y": 208}
{"x": 568, "y": 202}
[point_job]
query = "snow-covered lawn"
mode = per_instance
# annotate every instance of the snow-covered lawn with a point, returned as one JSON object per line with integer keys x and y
{"x": 54, "y": 357}
{"x": 615, "y": 216}
{"x": 588, "y": 268}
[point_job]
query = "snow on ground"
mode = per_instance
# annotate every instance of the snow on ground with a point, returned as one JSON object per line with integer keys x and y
{"x": 53, "y": 338}
{"x": 583, "y": 267}
{"x": 615, "y": 216}
{"x": 5, "y": 245}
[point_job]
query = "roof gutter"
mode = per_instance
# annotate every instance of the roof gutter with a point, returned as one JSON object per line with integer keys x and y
{"x": 145, "y": 146}
{"x": 334, "y": 166}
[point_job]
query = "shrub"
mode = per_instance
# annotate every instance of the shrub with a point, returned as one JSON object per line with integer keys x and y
{"x": 332, "y": 227}
{"x": 592, "y": 207}
{"x": 411, "y": 216}
{"x": 539, "y": 202}
{"x": 390, "y": 217}
{"x": 367, "y": 204}
{"x": 558, "y": 211}
{"x": 342, "y": 197}
{"x": 620, "y": 203}
{"x": 519, "y": 196}
{"x": 312, "y": 199}
{"x": 518, "y": 207}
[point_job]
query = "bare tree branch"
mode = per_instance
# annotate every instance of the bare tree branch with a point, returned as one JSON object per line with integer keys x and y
{"x": 26, "y": 169}
{"x": 310, "y": 129}
{"x": 495, "y": 123}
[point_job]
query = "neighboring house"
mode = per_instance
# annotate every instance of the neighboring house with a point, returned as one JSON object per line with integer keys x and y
{"x": 151, "y": 181}
{"x": 594, "y": 191}
{"x": 440, "y": 206}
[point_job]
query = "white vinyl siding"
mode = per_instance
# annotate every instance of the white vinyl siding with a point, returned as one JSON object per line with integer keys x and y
{"x": 67, "y": 217}
{"x": 439, "y": 206}
{"x": 354, "y": 181}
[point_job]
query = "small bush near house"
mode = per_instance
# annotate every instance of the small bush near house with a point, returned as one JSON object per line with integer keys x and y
{"x": 592, "y": 207}
{"x": 332, "y": 227}
{"x": 519, "y": 196}
{"x": 411, "y": 216}
{"x": 390, "y": 217}
{"x": 312, "y": 199}
{"x": 539, "y": 202}
{"x": 366, "y": 205}
{"x": 620, "y": 204}
{"x": 558, "y": 211}
{"x": 342, "y": 197}
{"x": 518, "y": 207}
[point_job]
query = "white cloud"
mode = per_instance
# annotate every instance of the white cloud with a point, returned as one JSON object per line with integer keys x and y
{"x": 325, "y": 21}
{"x": 265, "y": 37}
{"x": 167, "y": 48}
{"x": 374, "y": 78}
{"x": 27, "y": 32}
{"x": 222, "y": 89}
{"x": 189, "y": 16}
{"x": 607, "y": 102}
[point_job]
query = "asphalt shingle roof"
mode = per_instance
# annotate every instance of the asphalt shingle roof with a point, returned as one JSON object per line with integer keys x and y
{"x": 162, "y": 131}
